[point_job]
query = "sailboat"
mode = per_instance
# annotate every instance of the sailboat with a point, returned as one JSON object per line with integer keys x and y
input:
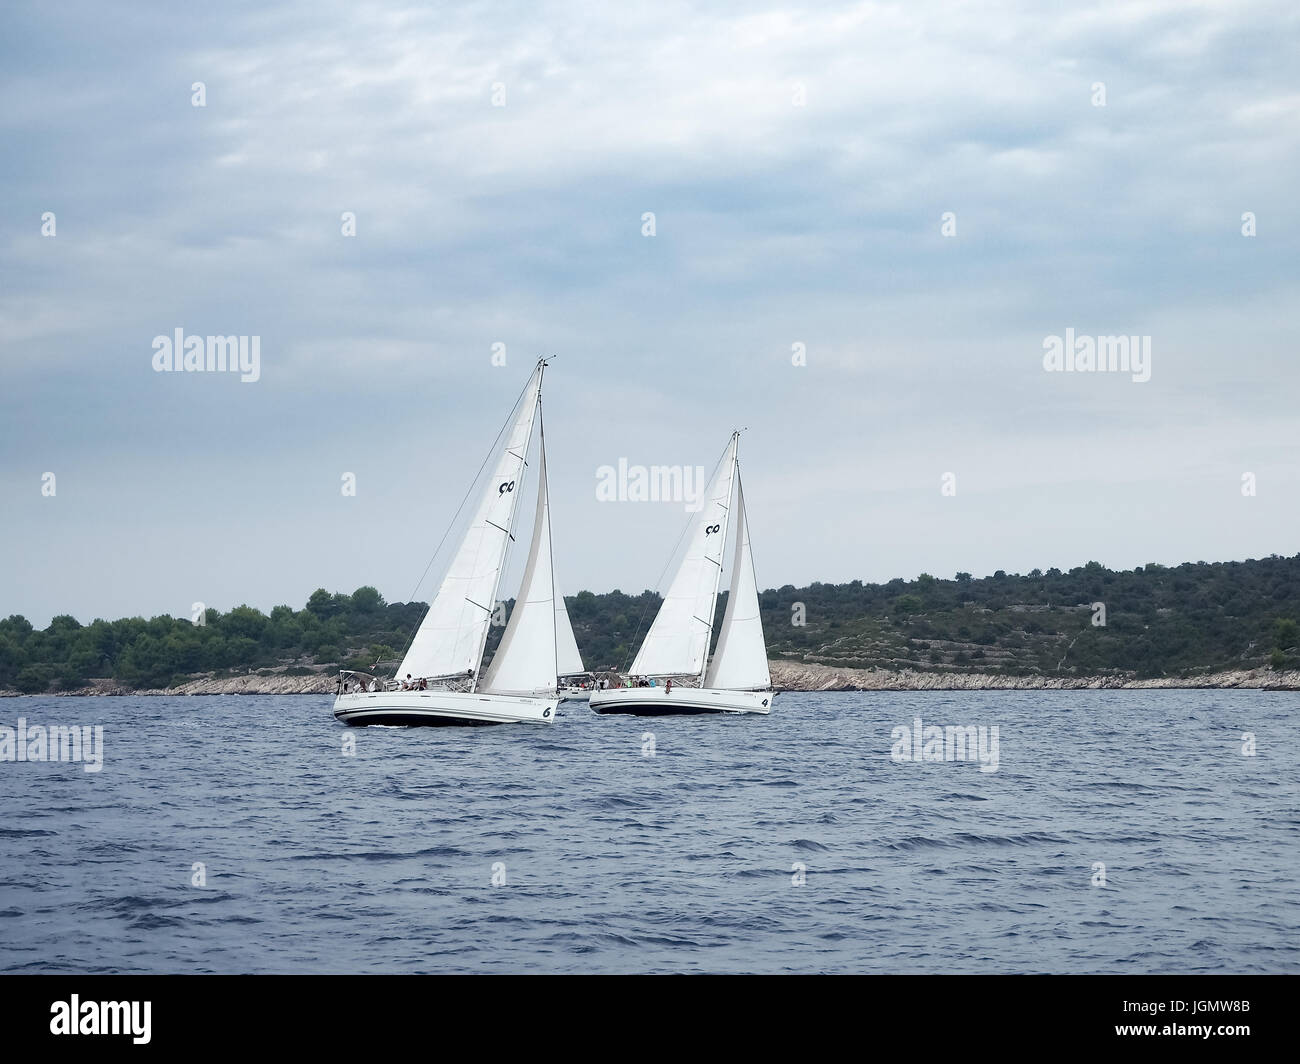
{"x": 440, "y": 679}
{"x": 675, "y": 653}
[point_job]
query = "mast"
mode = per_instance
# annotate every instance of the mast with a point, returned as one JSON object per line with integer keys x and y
{"x": 544, "y": 486}
{"x": 740, "y": 662}
{"x": 525, "y": 661}
{"x": 717, "y": 574}
{"x": 510, "y": 536}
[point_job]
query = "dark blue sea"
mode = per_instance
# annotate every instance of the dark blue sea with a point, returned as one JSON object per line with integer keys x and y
{"x": 687, "y": 861}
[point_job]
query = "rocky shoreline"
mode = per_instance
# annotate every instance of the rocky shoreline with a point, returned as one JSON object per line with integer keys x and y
{"x": 786, "y": 676}
{"x": 794, "y": 676}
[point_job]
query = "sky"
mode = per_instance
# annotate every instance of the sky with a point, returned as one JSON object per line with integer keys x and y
{"x": 868, "y": 221}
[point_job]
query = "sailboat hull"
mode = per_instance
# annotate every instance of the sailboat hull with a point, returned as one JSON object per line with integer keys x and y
{"x": 416, "y": 708}
{"x": 681, "y": 701}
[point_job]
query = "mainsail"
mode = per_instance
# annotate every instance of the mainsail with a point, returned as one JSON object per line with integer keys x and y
{"x": 568, "y": 662}
{"x": 678, "y": 641}
{"x": 740, "y": 660}
{"x": 450, "y": 640}
{"x": 525, "y": 662}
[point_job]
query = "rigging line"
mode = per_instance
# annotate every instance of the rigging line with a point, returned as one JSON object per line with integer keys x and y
{"x": 743, "y": 526}
{"x": 410, "y": 638}
{"x": 690, "y": 522}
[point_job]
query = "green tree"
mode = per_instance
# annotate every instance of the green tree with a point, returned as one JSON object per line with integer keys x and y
{"x": 322, "y": 604}
{"x": 1285, "y": 634}
{"x": 34, "y": 679}
{"x": 367, "y": 600}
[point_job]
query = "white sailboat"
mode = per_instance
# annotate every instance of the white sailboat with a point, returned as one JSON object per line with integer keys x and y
{"x": 675, "y": 654}
{"x": 438, "y": 681}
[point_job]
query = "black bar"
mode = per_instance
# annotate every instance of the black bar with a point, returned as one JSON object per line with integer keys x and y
{"x": 490, "y": 1014}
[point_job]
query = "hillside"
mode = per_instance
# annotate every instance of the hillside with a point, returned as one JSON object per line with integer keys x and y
{"x": 1160, "y": 622}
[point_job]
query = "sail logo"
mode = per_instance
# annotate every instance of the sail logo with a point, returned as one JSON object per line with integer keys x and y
{"x": 1098, "y": 354}
{"x": 656, "y": 483}
{"x": 953, "y": 742}
{"x": 102, "y": 1017}
{"x": 179, "y": 353}
{"x": 55, "y": 743}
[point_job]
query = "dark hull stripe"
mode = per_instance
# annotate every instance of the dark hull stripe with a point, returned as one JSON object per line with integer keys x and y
{"x": 358, "y": 718}
{"x": 652, "y": 709}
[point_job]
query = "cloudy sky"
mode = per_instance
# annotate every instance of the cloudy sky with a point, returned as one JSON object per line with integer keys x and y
{"x": 1097, "y": 160}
